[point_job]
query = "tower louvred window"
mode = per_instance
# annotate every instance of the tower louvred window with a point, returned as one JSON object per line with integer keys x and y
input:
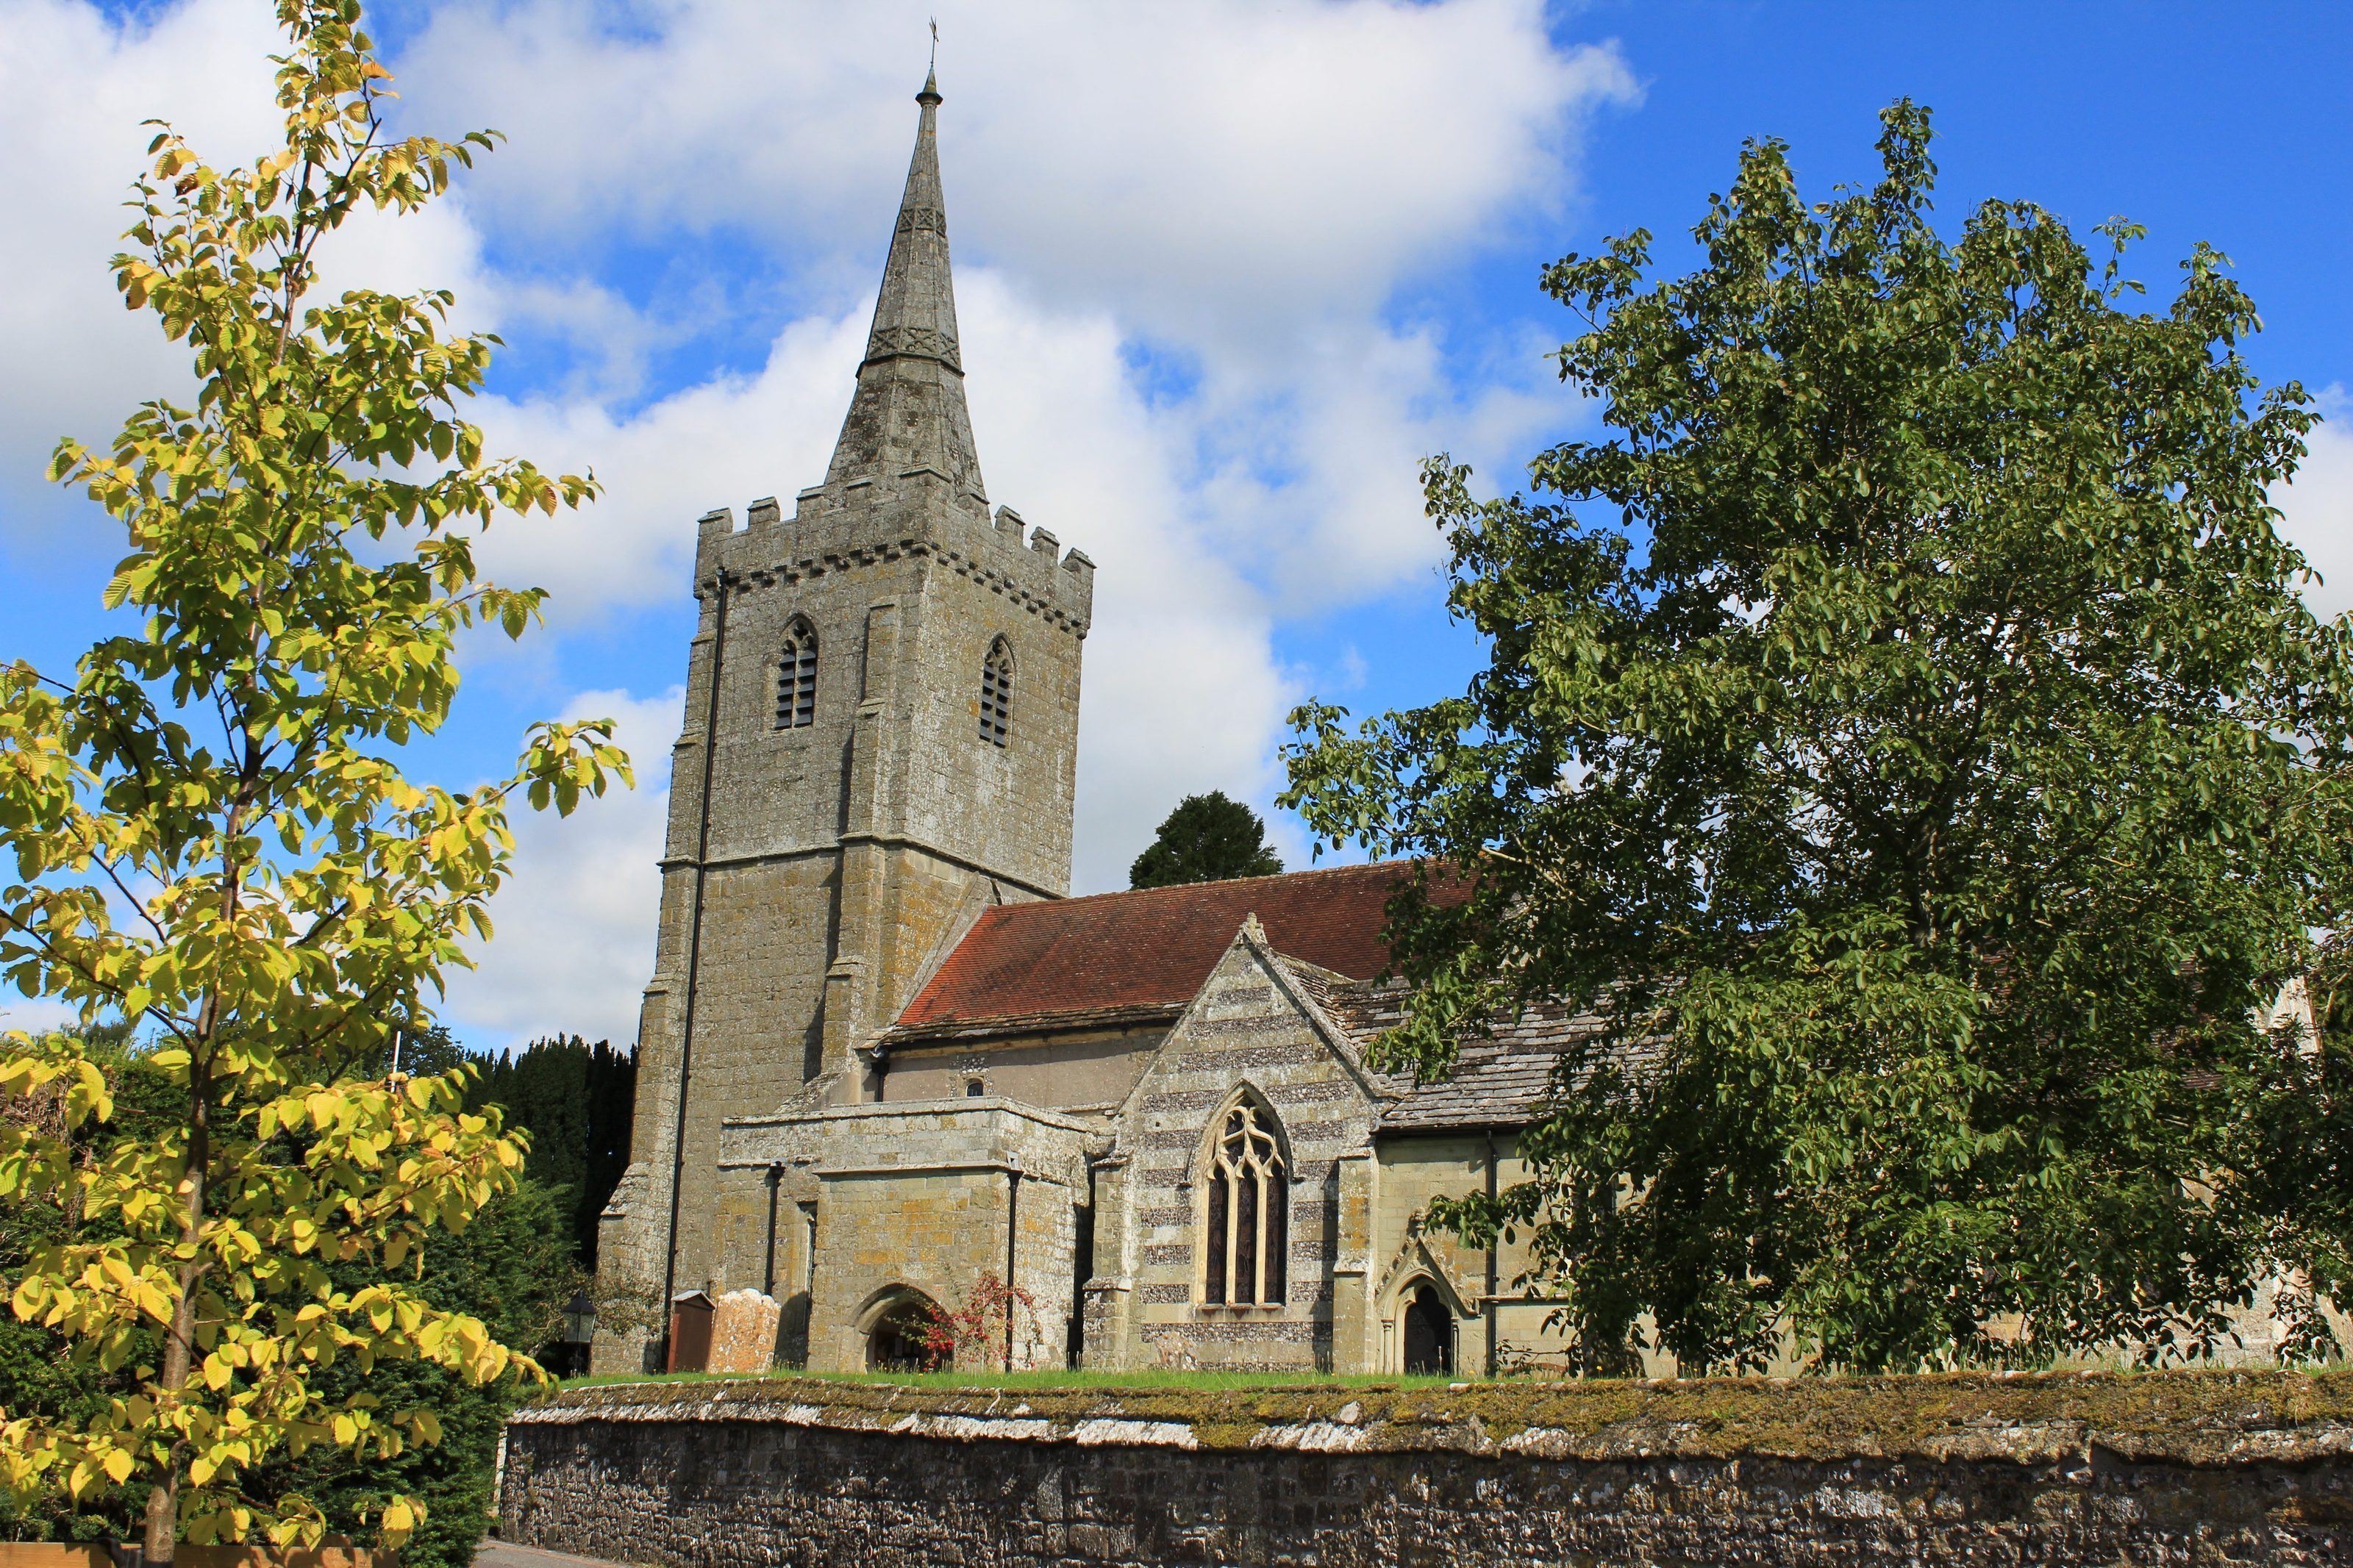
{"x": 797, "y": 677}
{"x": 997, "y": 693}
{"x": 1248, "y": 1238}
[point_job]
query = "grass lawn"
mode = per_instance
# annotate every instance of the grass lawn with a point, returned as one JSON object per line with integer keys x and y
{"x": 1174, "y": 1378}
{"x": 1139, "y": 1377}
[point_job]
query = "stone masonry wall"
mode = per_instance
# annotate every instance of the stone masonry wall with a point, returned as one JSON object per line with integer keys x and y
{"x": 2189, "y": 1467}
{"x": 1247, "y": 1032}
{"x": 910, "y": 1197}
{"x": 843, "y": 853}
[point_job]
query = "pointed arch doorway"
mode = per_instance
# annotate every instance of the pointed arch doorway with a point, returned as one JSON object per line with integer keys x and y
{"x": 901, "y": 1333}
{"x": 1429, "y": 1334}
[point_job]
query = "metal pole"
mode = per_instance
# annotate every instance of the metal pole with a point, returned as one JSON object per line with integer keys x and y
{"x": 1491, "y": 1273}
{"x": 693, "y": 963}
{"x": 768, "y": 1275}
{"x": 1012, "y": 1213}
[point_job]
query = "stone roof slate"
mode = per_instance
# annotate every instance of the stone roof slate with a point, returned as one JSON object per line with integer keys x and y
{"x": 1503, "y": 1081}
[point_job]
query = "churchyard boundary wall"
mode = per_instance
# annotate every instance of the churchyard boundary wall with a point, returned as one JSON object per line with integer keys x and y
{"x": 2093, "y": 1467}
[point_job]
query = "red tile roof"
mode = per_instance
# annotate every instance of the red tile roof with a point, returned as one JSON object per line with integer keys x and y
{"x": 1150, "y": 950}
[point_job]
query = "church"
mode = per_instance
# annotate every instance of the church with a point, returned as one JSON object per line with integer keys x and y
{"x": 886, "y": 1062}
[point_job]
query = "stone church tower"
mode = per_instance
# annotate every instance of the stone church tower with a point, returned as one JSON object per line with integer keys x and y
{"x": 881, "y": 744}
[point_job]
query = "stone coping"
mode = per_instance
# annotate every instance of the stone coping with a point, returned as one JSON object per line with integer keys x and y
{"x": 953, "y": 1107}
{"x": 2199, "y": 1418}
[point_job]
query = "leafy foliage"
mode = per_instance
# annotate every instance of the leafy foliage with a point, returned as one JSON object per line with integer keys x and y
{"x": 1905, "y": 720}
{"x": 574, "y": 1100}
{"x": 513, "y": 1267}
{"x": 577, "y": 1101}
{"x": 36, "y": 1377}
{"x": 1207, "y": 838}
{"x": 212, "y": 842}
{"x": 992, "y": 1315}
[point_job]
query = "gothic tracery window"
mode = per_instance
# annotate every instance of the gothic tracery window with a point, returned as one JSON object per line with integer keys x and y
{"x": 996, "y": 692}
{"x": 1248, "y": 1236}
{"x": 797, "y": 677}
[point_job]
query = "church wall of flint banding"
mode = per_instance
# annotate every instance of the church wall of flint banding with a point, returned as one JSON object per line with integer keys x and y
{"x": 2176, "y": 1469}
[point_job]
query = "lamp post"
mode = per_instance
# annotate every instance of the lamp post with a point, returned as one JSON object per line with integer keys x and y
{"x": 579, "y": 1329}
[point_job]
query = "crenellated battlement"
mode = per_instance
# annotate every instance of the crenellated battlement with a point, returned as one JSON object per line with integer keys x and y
{"x": 838, "y": 527}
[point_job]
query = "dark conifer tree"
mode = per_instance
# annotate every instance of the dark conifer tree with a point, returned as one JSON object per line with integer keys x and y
{"x": 576, "y": 1100}
{"x": 1207, "y": 838}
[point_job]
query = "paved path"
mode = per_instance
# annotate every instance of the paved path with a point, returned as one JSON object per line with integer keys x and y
{"x": 496, "y": 1553}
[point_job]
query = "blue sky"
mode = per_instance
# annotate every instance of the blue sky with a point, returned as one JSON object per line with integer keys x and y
{"x": 1228, "y": 272}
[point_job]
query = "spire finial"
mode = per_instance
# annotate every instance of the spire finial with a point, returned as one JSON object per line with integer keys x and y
{"x": 908, "y": 415}
{"x": 930, "y": 93}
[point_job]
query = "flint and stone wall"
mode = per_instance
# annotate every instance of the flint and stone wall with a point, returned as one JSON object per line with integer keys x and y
{"x": 1247, "y": 1033}
{"x": 2191, "y": 1467}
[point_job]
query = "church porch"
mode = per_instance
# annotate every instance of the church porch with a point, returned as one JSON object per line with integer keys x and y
{"x": 859, "y": 1218}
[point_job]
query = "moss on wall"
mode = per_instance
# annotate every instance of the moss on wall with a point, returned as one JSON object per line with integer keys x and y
{"x": 2189, "y": 1417}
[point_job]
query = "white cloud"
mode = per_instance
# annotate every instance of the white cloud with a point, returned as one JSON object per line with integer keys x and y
{"x": 1216, "y": 168}
{"x": 722, "y": 443}
{"x": 35, "y": 1014}
{"x": 1238, "y": 189}
{"x": 74, "y": 88}
{"x": 574, "y": 927}
{"x": 1235, "y": 189}
{"x": 2318, "y": 505}
{"x": 1067, "y": 439}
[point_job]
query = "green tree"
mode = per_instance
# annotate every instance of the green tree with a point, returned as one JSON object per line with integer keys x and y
{"x": 512, "y": 1268}
{"x": 34, "y": 1378}
{"x": 1903, "y": 717}
{"x": 1207, "y": 838}
{"x": 212, "y": 839}
{"x": 577, "y": 1101}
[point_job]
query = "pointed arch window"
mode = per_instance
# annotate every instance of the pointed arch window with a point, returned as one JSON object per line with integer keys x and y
{"x": 996, "y": 692}
{"x": 1247, "y": 1232}
{"x": 797, "y": 677}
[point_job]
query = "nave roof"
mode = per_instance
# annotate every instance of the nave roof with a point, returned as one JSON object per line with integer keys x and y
{"x": 1141, "y": 957}
{"x": 1070, "y": 963}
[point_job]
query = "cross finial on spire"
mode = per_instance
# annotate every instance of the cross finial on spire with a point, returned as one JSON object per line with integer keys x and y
{"x": 930, "y": 93}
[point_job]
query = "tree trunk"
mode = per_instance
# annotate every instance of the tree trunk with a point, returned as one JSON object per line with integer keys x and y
{"x": 179, "y": 1344}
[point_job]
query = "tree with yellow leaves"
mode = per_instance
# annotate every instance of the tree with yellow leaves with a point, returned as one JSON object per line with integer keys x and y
{"x": 212, "y": 841}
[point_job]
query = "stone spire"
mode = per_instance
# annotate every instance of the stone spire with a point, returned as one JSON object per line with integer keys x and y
{"x": 909, "y": 415}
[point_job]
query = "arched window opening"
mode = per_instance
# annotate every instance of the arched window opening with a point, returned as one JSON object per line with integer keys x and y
{"x": 797, "y": 677}
{"x": 1429, "y": 1334}
{"x": 1249, "y": 1237}
{"x": 910, "y": 1336}
{"x": 996, "y": 692}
